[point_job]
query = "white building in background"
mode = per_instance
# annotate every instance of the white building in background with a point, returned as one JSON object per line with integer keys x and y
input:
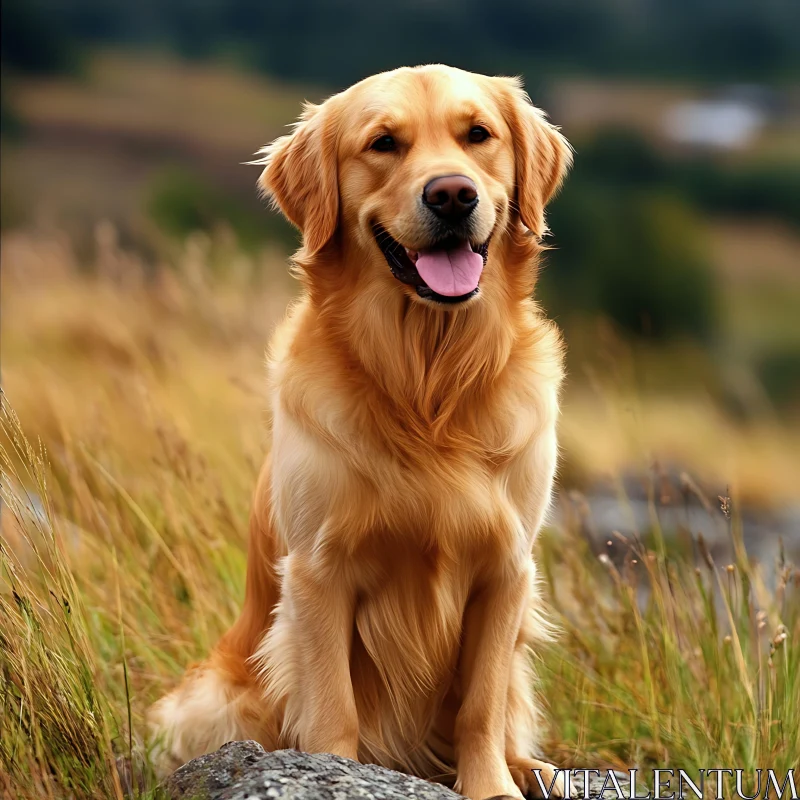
{"x": 724, "y": 124}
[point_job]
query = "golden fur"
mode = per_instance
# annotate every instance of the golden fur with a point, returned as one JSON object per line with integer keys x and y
{"x": 391, "y": 591}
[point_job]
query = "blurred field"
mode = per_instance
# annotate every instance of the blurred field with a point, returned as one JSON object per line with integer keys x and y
{"x": 139, "y": 386}
{"x": 109, "y": 135}
{"x": 63, "y": 317}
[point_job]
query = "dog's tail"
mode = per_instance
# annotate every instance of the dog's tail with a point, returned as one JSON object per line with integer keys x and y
{"x": 222, "y": 699}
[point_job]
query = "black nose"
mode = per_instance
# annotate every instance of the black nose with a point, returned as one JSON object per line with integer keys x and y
{"x": 451, "y": 197}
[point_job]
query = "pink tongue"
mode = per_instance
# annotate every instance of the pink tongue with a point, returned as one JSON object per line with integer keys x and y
{"x": 451, "y": 272}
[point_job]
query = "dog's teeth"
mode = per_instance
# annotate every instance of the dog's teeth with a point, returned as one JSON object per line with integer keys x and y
{"x": 412, "y": 254}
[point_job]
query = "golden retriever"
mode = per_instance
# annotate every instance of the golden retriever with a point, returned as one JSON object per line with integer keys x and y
{"x": 391, "y": 592}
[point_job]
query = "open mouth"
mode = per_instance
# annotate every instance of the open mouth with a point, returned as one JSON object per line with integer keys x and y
{"x": 447, "y": 272}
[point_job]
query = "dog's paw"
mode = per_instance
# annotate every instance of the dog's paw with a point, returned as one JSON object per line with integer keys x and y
{"x": 552, "y": 783}
{"x": 488, "y": 785}
{"x": 504, "y": 797}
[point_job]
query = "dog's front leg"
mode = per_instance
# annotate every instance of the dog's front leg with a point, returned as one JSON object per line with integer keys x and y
{"x": 491, "y": 624}
{"x": 323, "y": 603}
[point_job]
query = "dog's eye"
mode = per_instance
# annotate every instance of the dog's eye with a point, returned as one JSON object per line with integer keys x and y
{"x": 384, "y": 144}
{"x": 478, "y": 134}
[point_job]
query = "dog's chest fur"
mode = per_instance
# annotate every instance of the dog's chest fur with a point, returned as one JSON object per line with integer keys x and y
{"x": 419, "y": 512}
{"x": 406, "y": 640}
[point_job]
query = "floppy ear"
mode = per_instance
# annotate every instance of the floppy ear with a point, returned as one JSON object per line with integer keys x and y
{"x": 300, "y": 176}
{"x": 543, "y": 157}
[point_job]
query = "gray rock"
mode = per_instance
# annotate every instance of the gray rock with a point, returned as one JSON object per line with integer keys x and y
{"x": 245, "y": 771}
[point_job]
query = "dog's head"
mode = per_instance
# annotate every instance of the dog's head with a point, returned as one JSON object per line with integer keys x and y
{"x": 424, "y": 169}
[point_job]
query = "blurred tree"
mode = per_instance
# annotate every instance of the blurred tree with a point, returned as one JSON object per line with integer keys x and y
{"x": 753, "y": 189}
{"x": 10, "y": 124}
{"x": 181, "y": 202}
{"x": 334, "y": 42}
{"x": 637, "y": 257}
{"x": 31, "y": 40}
{"x": 623, "y": 158}
{"x": 779, "y": 372}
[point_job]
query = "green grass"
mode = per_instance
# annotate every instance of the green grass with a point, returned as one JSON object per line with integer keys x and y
{"x": 123, "y": 544}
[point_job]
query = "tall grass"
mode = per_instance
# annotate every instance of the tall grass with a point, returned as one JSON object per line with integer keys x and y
{"x": 666, "y": 663}
{"x": 56, "y": 727}
{"x": 123, "y": 543}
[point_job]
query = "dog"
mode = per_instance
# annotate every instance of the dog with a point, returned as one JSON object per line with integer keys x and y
{"x": 391, "y": 596}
